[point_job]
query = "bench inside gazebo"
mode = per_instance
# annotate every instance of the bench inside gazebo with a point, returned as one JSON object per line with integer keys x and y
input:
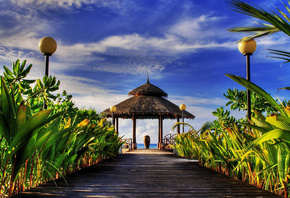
{"x": 148, "y": 102}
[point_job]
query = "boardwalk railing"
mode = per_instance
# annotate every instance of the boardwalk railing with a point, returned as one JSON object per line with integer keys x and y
{"x": 169, "y": 139}
{"x": 127, "y": 144}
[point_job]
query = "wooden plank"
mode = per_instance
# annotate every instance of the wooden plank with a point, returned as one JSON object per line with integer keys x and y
{"x": 150, "y": 173}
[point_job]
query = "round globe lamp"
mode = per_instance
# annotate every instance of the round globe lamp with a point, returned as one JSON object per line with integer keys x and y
{"x": 113, "y": 108}
{"x": 247, "y": 46}
{"x": 47, "y": 45}
{"x": 182, "y": 107}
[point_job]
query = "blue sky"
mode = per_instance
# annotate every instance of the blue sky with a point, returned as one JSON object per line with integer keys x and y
{"x": 105, "y": 49}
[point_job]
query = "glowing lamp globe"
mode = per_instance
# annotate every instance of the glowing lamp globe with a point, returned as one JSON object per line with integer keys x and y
{"x": 47, "y": 45}
{"x": 182, "y": 107}
{"x": 247, "y": 46}
{"x": 113, "y": 108}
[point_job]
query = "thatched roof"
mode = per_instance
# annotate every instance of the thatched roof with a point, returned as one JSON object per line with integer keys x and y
{"x": 147, "y": 107}
{"x": 147, "y": 102}
{"x": 148, "y": 90}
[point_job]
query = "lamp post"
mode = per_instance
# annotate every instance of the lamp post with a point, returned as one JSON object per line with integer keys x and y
{"x": 113, "y": 109}
{"x": 182, "y": 108}
{"x": 47, "y": 47}
{"x": 247, "y": 47}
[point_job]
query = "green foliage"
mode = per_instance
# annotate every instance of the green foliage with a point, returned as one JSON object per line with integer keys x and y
{"x": 17, "y": 75}
{"x": 255, "y": 152}
{"x": 37, "y": 145}
{"x": 238, "y": 101}
{"x": 259, "y": 91}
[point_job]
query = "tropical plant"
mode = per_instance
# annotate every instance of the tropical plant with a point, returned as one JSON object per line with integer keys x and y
{"x": 256, "y": 152}
{"x": 18, "y": 126}
{"x": 37, "y": 145}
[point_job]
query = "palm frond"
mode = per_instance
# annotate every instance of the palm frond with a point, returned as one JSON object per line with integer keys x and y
{"x": 287, "y": 88}
{"x": 274, "y": 21}
{"x": 280, "y": 55}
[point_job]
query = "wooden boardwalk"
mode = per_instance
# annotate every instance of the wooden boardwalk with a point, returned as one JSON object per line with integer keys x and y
{"x": 147, "y": 173}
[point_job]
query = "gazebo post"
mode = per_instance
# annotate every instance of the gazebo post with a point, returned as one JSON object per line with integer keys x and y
{"x": 178, "y": 126}
{"x": 134, "y": 144}
{"x": 158, "y": 145}
{"x": 160, "y": 132}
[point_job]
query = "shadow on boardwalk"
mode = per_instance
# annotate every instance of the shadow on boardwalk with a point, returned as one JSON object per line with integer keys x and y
{"x": 147, "y": 173}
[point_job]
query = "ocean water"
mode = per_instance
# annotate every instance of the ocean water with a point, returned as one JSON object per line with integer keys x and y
{"x": 152, "y": 146}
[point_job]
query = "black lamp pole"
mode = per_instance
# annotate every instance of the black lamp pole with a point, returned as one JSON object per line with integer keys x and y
{"x": 183, "y": 121}
{"x": 249, "y": 79}
{"x": 113, "y": 117}
{"x": 46, "y": 63}
{"x": 46, "y": 55}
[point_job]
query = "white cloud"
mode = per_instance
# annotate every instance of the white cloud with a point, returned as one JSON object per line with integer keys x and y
{"x": 135, "y": 53}
{"x": 65, "y": 3}
{"x": 191, "y": 28}
{"x": 131, "y": 53}
{"x": 192, "y": 101}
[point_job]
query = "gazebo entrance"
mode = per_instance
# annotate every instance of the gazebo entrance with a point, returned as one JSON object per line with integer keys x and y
{"x": 148, "y": 102}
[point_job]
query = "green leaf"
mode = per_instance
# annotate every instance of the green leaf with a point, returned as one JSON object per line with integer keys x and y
{"x": 39, "y": 83}
{"x": 8, "y": 71}
{"x": 26, "y": 71}
{"x": 28, "y": 81}
{"x": 23, "y": 65}
{"x": 279, "y": 122}
{"x": 271, "y": 135}
{"x": 7, "y": 103}
{"x": 8, "y": 78}
{"x": 16, "y": 66}
{"x": 4, "y": 130}
{"x": 37, "y": 120}
{"x": 21, "y": 116}
{"x": 281, "y": 164}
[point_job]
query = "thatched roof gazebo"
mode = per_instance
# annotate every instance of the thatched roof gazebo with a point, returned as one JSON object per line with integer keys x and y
{"x": 148, "y": 102}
